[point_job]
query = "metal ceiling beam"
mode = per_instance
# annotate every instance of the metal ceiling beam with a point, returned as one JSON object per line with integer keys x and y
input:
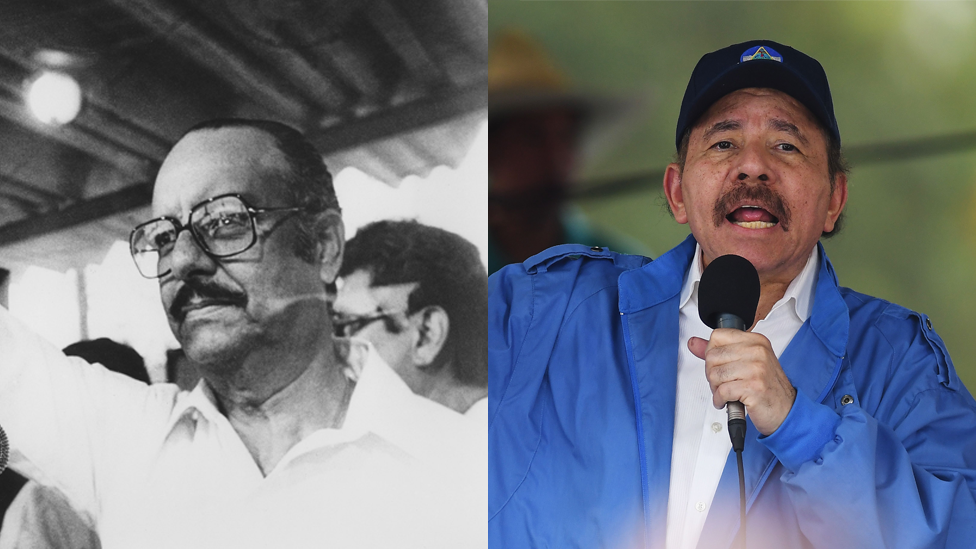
{"x": 79, "y": 138}
{"x": 218, "y": 55}
{"x": 44, "y": 195}
{"x": 85, "y": 211}
{"x": 401, "y": 119}
{"x": 402, "y": 39}
{"x": 96, "y": 116}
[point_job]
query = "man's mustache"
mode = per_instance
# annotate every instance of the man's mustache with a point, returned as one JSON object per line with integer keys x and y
{"x": 755, "y": 195}
{"x": 205, "y": 290}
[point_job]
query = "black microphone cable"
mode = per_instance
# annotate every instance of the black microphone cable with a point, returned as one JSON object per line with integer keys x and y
{"x": 737, "y": 432}
{"x": 728, "y": 296}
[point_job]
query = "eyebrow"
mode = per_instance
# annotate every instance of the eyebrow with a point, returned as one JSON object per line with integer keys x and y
{"x": 723, "y": 126}
{"x": 787, "y": 127}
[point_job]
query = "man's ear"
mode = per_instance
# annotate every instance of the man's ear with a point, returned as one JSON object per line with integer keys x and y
{"x": 432, "y": 331}
{"x": 674, "y": 194}
{"x": 331, "y": 244}
{"x": 838, "y": 199}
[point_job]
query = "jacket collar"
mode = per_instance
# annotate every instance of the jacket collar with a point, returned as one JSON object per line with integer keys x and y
{"x": 663, "y": 278}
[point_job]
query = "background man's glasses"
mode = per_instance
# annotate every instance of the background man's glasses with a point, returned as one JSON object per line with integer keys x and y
{"x": 222, "y": 226}
{"x": 350, "y": 326}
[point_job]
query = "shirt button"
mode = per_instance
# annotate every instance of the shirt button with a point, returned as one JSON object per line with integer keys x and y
{"x": 716, "y": 428}
{"x": 700, "y": 506}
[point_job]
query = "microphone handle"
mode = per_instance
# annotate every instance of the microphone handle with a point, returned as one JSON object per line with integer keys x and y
{"x": 735, "y": 409}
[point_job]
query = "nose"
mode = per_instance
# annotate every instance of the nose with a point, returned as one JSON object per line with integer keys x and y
{"x": 762, "y": 177}
{"x": 187, "y": 258}
{"x": 753, "y": 163}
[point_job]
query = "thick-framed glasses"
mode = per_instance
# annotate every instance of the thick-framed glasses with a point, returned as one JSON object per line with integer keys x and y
{"x": 348, "y": 326}
{"x": 221, "y": 226}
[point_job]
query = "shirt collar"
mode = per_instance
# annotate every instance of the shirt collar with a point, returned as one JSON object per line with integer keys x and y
{"x": 799, "y": 293}
{"x": 383, "y": 404}
{"x": 200, "y": 402}
{"x": 692, "y": 278}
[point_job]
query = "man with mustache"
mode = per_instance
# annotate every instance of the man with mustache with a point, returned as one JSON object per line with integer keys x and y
{"x": 606, "y": 389}
{"x": 293, "y": 438}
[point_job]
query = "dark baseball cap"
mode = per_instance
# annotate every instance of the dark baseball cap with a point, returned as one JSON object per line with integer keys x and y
{"x": 757, "y": 64}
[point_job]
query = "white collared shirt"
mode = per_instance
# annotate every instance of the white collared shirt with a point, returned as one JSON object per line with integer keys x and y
{"x": 154, "y": 467}
{"x": 701, "y": 441}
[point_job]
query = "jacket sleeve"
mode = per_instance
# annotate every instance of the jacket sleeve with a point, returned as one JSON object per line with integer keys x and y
{"x": 72, "y": 426}
{"x": 898, "y": 467}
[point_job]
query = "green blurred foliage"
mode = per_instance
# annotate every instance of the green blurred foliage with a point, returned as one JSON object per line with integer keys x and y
{"x": 898, "y": 70}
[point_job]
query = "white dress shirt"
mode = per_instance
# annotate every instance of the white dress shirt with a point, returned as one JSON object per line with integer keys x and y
{"x": 478, "y": 412}
{"x": 154, "y": 467}
{"x": 701, "y": 441}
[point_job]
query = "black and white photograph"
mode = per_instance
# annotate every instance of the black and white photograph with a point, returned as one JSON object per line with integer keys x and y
{"x": 243, "y": 274}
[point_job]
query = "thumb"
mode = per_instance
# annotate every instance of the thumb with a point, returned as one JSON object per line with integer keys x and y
{"x": 697, "y": 346}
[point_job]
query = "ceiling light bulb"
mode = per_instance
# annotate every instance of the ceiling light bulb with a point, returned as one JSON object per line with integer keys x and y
{"x": 54, "y": 98}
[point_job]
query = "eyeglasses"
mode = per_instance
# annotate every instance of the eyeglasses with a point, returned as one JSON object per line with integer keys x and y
{"x": 222, "y": 226}
{"x": 350, "y": 326}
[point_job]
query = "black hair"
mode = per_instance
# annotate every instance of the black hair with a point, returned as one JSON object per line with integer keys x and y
{"x": 450, "y": 274}
{"x": 115, "y": 356}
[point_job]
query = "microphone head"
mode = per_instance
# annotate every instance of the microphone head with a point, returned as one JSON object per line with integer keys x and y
{"x": 4, "y": 450}
{"x": 729, "y": 285}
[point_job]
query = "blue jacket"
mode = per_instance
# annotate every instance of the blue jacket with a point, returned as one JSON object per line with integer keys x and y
{"x": 879, "y": 449}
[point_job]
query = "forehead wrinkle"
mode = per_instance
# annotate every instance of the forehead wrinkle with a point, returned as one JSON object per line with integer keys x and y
{"x": 780, "y": 125}
{"x": 212, "y": 157}
{"x": 721, "y": 126}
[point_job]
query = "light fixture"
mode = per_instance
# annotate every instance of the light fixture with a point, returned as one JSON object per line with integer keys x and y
{"x": 54, "y": 97}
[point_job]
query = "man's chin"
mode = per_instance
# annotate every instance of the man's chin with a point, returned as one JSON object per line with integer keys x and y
{"x": 211, "y": 343}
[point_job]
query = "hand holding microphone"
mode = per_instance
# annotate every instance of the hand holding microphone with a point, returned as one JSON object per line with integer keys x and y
{"x": 740, "y": 366}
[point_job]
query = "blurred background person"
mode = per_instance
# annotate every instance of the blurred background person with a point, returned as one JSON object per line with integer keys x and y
{"x": 40, "y": 517}
{"x": 419, "y": 295}
{"x": 536, "y": 127}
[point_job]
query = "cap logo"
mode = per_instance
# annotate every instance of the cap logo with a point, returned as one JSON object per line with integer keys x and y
{"x": 761, "y": 52}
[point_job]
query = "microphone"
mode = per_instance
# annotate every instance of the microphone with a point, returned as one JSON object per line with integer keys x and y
{"x": 4, "y": 450}
{"x": 728, "y": 296}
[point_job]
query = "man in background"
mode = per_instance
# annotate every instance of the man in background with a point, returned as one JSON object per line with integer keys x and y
{"x": 41, "y": 517}
{"x": 419, "y": 295}
{"x": 535, "y": 130}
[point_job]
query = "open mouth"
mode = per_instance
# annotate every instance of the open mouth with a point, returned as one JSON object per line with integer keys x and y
{"x": 752, "y": 217}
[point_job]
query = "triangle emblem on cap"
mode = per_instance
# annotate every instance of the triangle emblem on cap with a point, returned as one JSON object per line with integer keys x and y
{"x": 761, "y": 52}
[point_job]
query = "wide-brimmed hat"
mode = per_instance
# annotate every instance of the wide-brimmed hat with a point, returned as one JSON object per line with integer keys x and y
{"x": 522, "y": 78}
